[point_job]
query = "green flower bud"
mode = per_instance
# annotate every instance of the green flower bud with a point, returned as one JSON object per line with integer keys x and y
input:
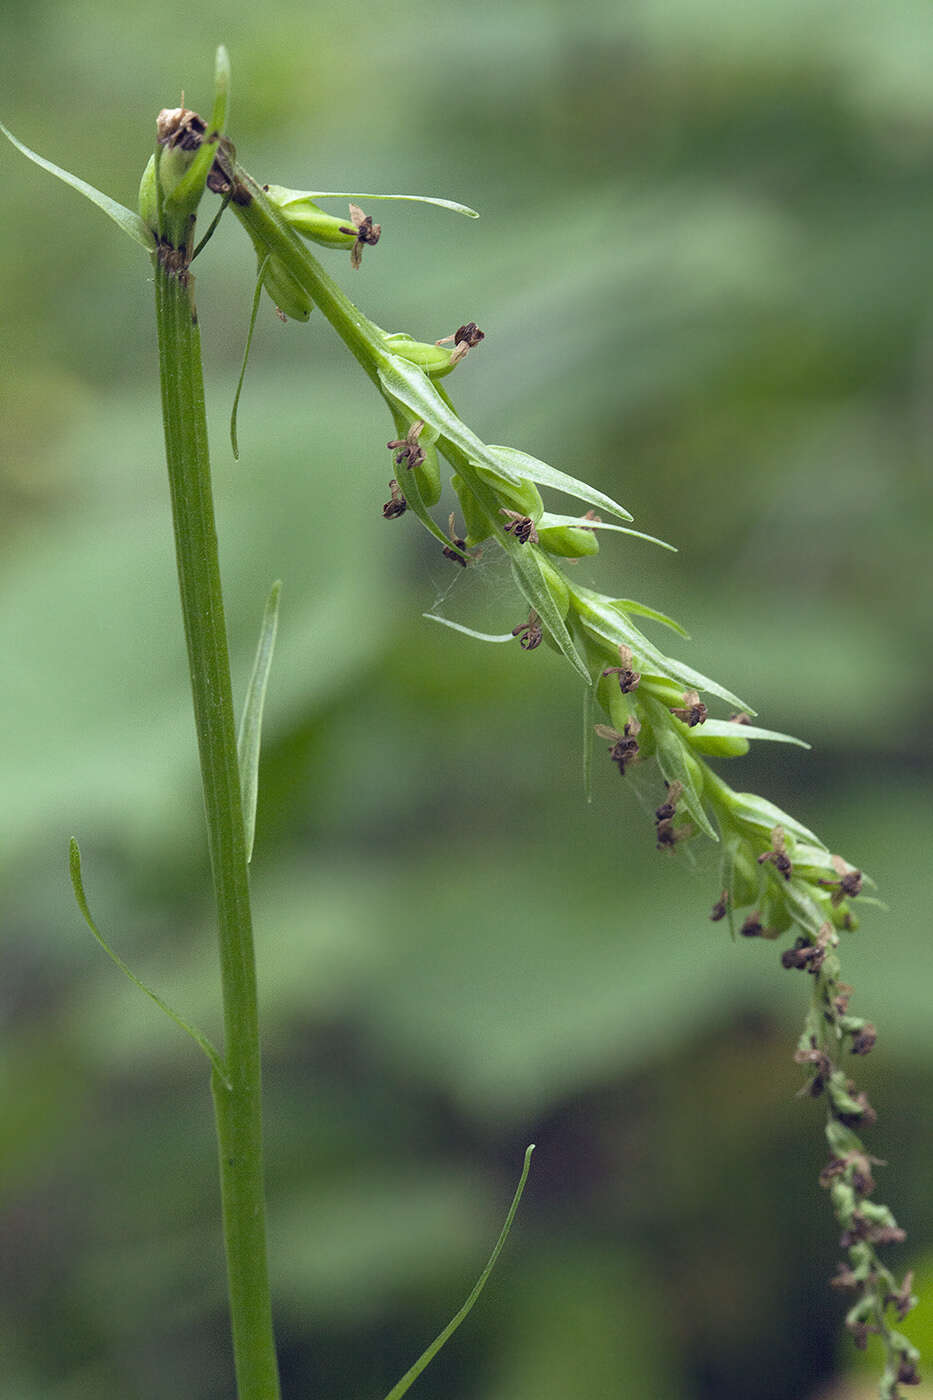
{"x": 521, "y": 496}
{"x": 435, "y": 360}
{"x": 149, "y": 196}
{"x": 568, "y": 541}
{"x": 180, "y": 133}
{"x": 664, "y": 690}
{"x": 307, "y": 218}
{"x": 717, "y": 745}
{"x": 285, "y": 290}
{"x": 478, "y": 526}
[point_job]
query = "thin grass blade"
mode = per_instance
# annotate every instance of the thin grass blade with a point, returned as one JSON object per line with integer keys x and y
{"x": 412, "y": 1374}
{"x": 197, "y": 1036}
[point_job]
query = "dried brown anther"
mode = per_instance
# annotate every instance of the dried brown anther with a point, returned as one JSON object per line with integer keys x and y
{"x": 902, "y": 1300}
{"x": 778, "y": 853}
{"x": 693, "y": 711}
{"x": 718, "y": 910}
{"x": 907, "y": 1372}
{"x": 848, "y": 885}
{"x": 844, "y": 1277}
{"x": 628, "y": 678}
{"x": 624, "y": 750}
{"x": 406, "y": 449}
{"x": 397, "y": 505}
{"x": 740, "y": 717}
{"x": 458, "y": 554}
{"x": 669, "y": 807}
{"x": 752, "y": 927}
{"x": 180, "y": 129}
{"x": 465, "y": 338}
{"x": 529, "y": 633}
{"x": 521, "y": 526}
{"x": 367, "y": 233}
{"x": 862, "y": 1113}
{"x": 863, "y": 1041}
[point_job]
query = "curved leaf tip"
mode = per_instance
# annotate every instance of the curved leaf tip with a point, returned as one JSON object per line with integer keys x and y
{"x": 126, "y": 219}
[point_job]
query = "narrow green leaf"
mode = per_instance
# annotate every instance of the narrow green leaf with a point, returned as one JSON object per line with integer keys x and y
{"x": 728, "y": 727}
{"x": 126, "y": 219}
{"x": 428, "y": 1355}
{"x": 248, "y": 741}
{"x": 412, "y": 198}
{"x": 257, "y": 297}
{"x": 548, "y": 519}
{"x": 470, "y": 631}
{"x": 200, "y": 1039}
{"x": 519, "y": 466}
{"x": 628, "y": 605}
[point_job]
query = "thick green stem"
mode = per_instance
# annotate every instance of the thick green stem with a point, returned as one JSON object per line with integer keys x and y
{"x": 238, "y": 1108}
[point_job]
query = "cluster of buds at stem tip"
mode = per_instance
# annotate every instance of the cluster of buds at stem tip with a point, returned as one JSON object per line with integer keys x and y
{"x": 180, "y": 134}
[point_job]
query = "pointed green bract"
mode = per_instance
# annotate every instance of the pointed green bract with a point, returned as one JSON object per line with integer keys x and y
{"x": 729, "y": 728}
{"x": 250, "y": 735}
{"x": 628, "y": 605}
{"x": 521, "y": 466}
{"x": 428, "y": 1355}
{"x": 548, "y": 519}
{"x": 125, "y": 219}
{"x": 470, "y": 631}
{"x": 450, "y": 204}
{"x": 74, "y": 863}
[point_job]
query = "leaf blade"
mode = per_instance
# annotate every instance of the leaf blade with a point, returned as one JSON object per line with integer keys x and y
{"x": 125, "y": 219}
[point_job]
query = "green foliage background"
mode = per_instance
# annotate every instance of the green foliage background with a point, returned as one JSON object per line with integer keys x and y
{"x": 703, "y": 270}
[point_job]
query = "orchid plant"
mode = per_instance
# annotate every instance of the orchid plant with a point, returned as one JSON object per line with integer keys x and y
{"x": 777, "y": 878}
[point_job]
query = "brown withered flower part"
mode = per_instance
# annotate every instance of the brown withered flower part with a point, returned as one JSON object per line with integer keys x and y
{"x": 752, "y": 927}
{"x": 407, "y": 449}
{"x": 624, "y": 746}
{"x": 668, "y": 808}
{"x": 397, "y": 505}
{"x": 902, "y": 1299}
{"x": 521, "y": 526}
{"x": 458, "y": 554}
{"x": 719, "y": 909}
{"x": 740, "y": 717}
{"x": 529, "y": 633}
{"x": 180, "y": 129}
{"x": 693, "y": 711}
{"x": 628, "y": 679}
{"x": 848, "y": 885}
{"x": 778, "y": 853}
{"x": 367, "y": 233}
{"x": 864, "y": 1041}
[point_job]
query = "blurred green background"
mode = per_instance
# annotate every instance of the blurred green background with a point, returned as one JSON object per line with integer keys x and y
{"x": 703, "y": 271}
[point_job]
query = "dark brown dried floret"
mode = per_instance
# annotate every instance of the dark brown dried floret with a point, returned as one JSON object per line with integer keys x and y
{"x": 406, "y": 449}
{"x": 521, "y": 526}
{"x": 397, "y": 505}
{"x": 529, "y": 633}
